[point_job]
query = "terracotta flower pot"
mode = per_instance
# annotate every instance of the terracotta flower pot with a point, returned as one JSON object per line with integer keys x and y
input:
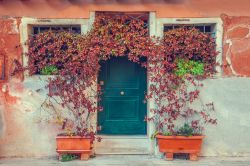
{"x": 74, "y": 145}
{"x": 180, "y": 144}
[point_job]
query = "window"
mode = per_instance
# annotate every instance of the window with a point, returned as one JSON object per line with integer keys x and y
{"x": 37, "y": 29}
{"x": 55, "y": 28}
{"x": 31, "y": 26}
{"x": 205, "y": 28}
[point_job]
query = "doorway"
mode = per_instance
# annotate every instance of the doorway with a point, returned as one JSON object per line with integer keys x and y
{"x": 124, "y": 85}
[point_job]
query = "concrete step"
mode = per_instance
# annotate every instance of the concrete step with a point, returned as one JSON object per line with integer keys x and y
{"x": 122, "y": 145}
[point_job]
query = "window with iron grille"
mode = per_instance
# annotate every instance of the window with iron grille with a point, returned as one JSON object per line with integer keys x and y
{"x": 205, "y": 28}
{"x": 56, "y": 28}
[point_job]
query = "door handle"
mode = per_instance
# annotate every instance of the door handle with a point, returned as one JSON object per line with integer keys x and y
{"x": 122, "y": 93}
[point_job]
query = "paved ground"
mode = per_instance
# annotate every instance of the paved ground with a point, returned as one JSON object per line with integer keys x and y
{"x": 127, "y": 160}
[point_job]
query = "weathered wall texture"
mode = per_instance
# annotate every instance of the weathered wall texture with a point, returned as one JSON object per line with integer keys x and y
{"x": 20, "y": 135}
{"x": 9, "y": 42}
{"x": 230, "y": 137}
{"x": 236, "y": 45}
{"x": 24, "y": 132}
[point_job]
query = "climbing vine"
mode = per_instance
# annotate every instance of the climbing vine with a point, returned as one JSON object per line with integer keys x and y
{"x": 188, "y": 56}
{"x": 175, "y": 63}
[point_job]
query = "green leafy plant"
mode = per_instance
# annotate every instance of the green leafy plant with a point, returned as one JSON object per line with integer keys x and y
{"x": 186, "y": 130}
{"x": 189, "y": 67}
{"x": 68, "y": 157}
{"x": 153, "y": 136}
{"x": 49, "y": 70}
{"x": 166, "y": 133}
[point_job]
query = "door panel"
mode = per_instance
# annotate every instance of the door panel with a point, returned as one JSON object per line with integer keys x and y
{"x": 124, "y": 87}
{"x": 127, "y": 106}
{"x": 122, "y": 74}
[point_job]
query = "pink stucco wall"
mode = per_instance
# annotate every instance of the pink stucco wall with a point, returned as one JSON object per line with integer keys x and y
{"x": 17, "y": 131}
{"x": 164, "y": 8}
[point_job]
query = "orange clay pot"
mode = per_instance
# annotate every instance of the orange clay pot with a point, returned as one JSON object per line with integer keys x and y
{"x": 180, "y": 144}
{"x": 74, "y": 145}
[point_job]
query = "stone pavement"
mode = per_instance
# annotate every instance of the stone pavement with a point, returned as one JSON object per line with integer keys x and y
{"x": 127, "y": 160}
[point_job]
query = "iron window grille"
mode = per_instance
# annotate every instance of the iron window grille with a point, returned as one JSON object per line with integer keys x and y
{"x": 56, "y": 28}
{"x": 205, "y": 28}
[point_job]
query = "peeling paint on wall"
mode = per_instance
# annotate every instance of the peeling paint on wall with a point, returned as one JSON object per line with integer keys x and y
{"x": 236, "y": 46}
{"x": 23, "y": 135}
{"x": 14, "y": 29}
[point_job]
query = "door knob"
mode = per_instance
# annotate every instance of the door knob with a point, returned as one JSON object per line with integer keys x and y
{"x": 122, "y": 93}
{"x": 101, "y": 82}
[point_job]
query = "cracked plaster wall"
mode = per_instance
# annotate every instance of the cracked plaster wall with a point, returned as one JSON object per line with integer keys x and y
{"x": 236, "y": 57}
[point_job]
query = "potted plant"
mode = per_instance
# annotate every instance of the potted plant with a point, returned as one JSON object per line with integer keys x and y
{"x": 188, "y": 57}
{"x": 74, "y": 145}
{"x": 181, "y": 143}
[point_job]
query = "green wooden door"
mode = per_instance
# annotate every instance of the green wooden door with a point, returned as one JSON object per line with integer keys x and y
{"x": 124, "y": 88}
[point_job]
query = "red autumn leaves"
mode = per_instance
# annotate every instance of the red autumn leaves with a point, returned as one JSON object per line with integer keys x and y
{"x": 77, "y": 58}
